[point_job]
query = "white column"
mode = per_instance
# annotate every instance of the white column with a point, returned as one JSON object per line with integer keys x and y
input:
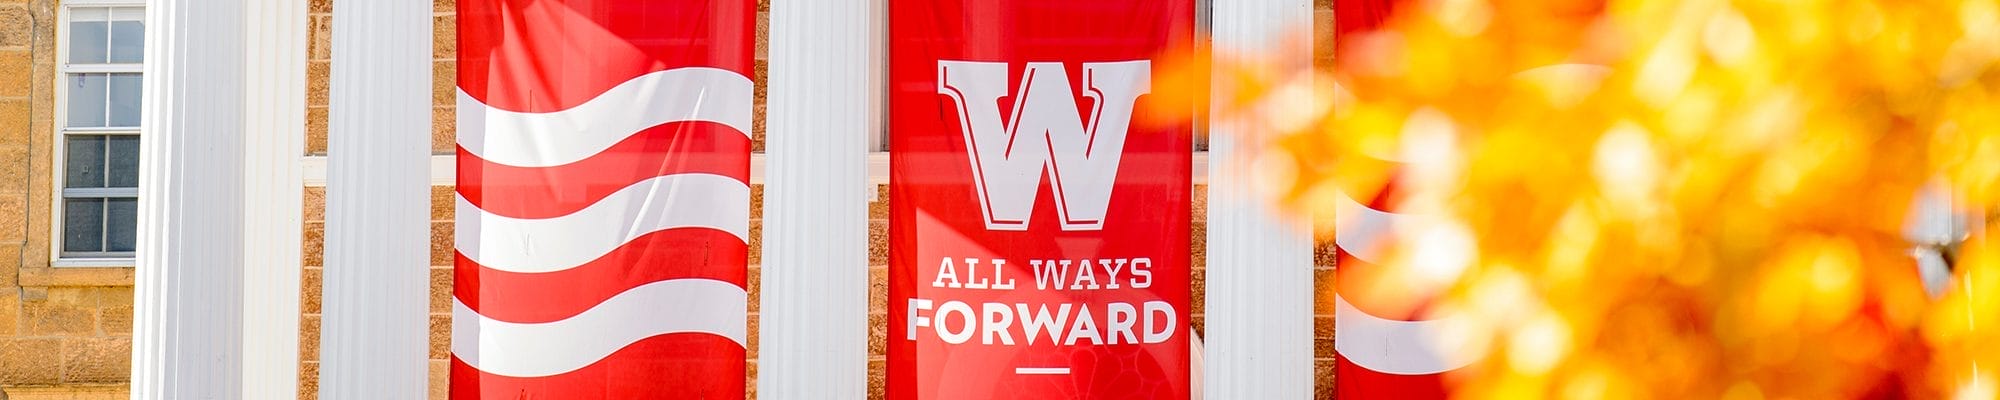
{"x": 218, "y": 260}
{"x": 1260, "y": 281}
{"x": 274, "y": 101}
{"x": 374, "y": 340}
{"x": 825, "y": 106}
{"x": 188, "y": 326}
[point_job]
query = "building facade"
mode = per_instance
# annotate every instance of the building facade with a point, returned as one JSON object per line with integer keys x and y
{"x": 69, "y": 133}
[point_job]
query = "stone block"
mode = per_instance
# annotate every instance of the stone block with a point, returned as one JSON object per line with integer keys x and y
{"x": 16, "y": 26}
{"x": 30, "y": 361}
{"x": 1325, "y": 250}
{"x": 311, "y": 284}
{"x": 878, "y": 242}
{"x": 441, "y": 243}
{"x": 313, "y": 246}
{"x": 444, "y": 129}
{"x": 763, "y": 51}
{"x": 109, "y": 296}
{"x": 309, "y": 334}
{"x": 440, "y": 375}
{"x": 878, "y": 296}
{"x": 750, "y": 379}
{"x": 444, "y": 37}
{"x": 440, "y": 336}
{"x": 10, "y": 313}
{"x": 1323, "y": 379}
{"x": 755, "y": 284}
{"x": 15, "y": 83}
{"x": 1323, "y": 285}
{"x": 315, "y": 204}
{"x": 13, "y": 217}
{"x": 757, "y": 201}
{"x": 878, "y": 375}
{"x": 316, "y": 130}
{"x": 1197, "y": 290}
{"x": 444, "y": 83}
{"x": 317, "y": 80}
{"x": 319, "y": 37}
{"x": 56, "y": 318}
{"x": 756, "y": 244}
{"x": 97, "y": 360}
{"x": 757, "y": 111}
{"x": 308, "y": 380}
{"x": 70, "y": 296}
{"x": 14, "y": 124}
{"x": 878, "y": 335}
{"x": 1322, "y": 37}
{"x": 115, "y": 320}
{"x": 10, "y": 268}
{"x": 444, "y": 202}
{"x": 441, "y": 281}
{"x": 751, "y": 340}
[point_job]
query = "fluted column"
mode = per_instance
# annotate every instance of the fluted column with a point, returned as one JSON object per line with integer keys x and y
{"x": 275, "y": 123}
{"x": 1260, "y": 281}
{"x": 188, "y": 322}
{"x": 825, "y": 104}
{"x": 216, "y": 309}
{"x": 375, "y": 331}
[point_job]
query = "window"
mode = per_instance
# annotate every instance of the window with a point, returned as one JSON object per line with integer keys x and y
{"x": 101, "y": 48}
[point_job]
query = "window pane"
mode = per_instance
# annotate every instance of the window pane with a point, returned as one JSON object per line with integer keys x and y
{"x": 86, "y": 39}
{"x": 83, "y": 161}
{"x": 128, "y": 39}
{"x": 124, "y": 161}
{"x": 86, "y": 100}
{"x": 124, "y": 100}
{"x": 121, "y": 224}
{"x": 83, "y": 225}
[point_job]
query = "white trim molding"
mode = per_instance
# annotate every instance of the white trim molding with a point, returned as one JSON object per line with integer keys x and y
{"x": 216, "y": 303}
{"x": 1260, "y": 278}
{"x": 375, "y": 332}
{"x": 826, "y": 104}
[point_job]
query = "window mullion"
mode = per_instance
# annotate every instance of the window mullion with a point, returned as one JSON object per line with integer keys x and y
{"x": 104, "y": 225}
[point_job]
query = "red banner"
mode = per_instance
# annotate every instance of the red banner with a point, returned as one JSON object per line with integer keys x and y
{"x": 603, "y": 199}
{"x": 1039, "y": 220}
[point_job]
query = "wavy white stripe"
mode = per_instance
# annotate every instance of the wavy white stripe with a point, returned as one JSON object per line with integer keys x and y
{"x": 1367, "y": 233}
{"x": 533, "y": 350}
{"x": 1391, "y": 346}
{"x": 561, "y": 137}
{"x": 554, "y": 244}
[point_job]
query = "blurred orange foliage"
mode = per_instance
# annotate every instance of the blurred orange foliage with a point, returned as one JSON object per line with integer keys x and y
{"x": 1667, "y": 199}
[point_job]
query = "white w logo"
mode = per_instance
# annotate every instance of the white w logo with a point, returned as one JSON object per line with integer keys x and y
{"x": 1045, "y": 134}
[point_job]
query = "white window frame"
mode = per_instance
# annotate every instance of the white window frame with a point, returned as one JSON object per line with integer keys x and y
{"x": 61, "y": 132}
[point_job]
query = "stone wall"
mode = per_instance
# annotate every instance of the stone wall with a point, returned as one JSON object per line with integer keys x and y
{"x": 64, "y": 332}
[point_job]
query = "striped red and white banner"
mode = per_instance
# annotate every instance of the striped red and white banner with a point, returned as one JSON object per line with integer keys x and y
{"x": 603, "y": 199}
{"x": 1385, "y": 340}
